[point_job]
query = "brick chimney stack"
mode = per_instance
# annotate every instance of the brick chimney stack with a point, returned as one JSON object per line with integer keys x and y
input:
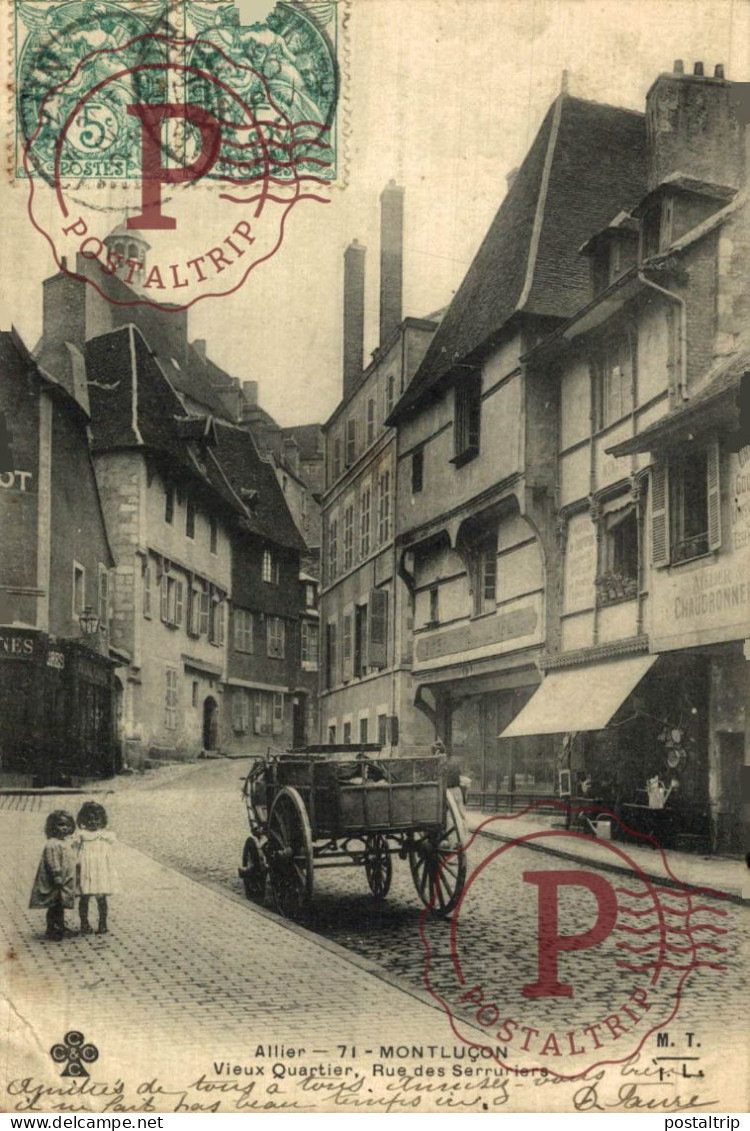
{"x": 354, "y": 314}
{"x": 693, "y": 127}
{"x": 391, "y": 258}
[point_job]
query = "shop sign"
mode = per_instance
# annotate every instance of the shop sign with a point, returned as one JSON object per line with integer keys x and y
{"x": 15, "y": 480}
{"x": 16, "y": 645}
{"x": 580, "y": 563}
{"x": 493, "y": 630}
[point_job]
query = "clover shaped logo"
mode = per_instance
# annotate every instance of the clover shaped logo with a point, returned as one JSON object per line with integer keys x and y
{"x": 74, "y": 1053}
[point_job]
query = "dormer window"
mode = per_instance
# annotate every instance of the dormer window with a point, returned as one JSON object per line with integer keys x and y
{"x": 656, "y": 227}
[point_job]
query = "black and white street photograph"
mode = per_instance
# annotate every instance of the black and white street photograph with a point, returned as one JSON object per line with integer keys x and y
{"x": 374, "y": 559}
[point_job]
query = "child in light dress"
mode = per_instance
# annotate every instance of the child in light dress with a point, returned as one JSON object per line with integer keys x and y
{"x": 55, "y": 882}
{"x": 96, "y": 872}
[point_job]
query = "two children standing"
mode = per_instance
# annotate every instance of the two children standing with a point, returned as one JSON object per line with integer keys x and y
{"x": 75, "y": 864}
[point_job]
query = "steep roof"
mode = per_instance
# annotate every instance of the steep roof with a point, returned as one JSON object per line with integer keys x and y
{"x": 309, "y": 439}
{"x": 587, "y": 162}
{"x": 267, "y": 512}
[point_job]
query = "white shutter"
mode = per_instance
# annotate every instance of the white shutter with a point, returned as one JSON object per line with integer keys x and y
{"x": 165, "y": 597}
{"x": 659, "y": 515}
{"x": 714, "y": 493}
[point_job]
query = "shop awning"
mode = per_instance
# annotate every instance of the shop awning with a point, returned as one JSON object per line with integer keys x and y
{"x": 580, "y": 698}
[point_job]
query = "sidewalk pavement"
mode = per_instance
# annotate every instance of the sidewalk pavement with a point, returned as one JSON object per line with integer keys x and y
{"x": 187, "y": 973}
{"x": 717, "y": 873}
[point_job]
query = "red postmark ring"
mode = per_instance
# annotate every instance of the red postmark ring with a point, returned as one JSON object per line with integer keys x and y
{"x": 232, "y": 185}
{"x": 584, "y": 963}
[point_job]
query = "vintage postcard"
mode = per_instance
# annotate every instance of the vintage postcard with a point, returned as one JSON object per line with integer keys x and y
{"x": 375, "y": 557}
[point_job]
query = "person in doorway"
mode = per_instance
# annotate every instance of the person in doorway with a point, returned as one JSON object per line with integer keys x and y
{"x": 454, "y": 778}
{"x": 96, "y": 872}
{"x": 54, "y": 885}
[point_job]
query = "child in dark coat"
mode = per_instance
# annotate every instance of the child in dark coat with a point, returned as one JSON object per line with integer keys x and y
{"x": 55, "y": 883}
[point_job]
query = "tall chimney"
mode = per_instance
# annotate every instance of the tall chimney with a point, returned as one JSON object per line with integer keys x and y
{"x": 250, "y": 393}
{"x": 354, "y": 314}
{"x": 693, "y": 128}
{"x": 391, "y": 258}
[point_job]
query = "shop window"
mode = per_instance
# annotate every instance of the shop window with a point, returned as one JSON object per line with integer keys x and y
{"x": 243, "y": 630}
{"x": 618, "y": 576}
{"x": 309, "y": 645}
{"x": 365, "y": 519}
{"x": 384, "y": 506}
{"x": 169, "y": 504}
{"x": 417, "y": 471}
{"x": 275, "y": 637}
{"x": 614, "y": 380}
{"x": 79, "y": 589}
{"x": 686, "y": 506}
{"x": 370, "y": 420}
{"x": 190, "y": 519}
{"x": 270, "y": 568}
{"x": 348, "y": 537}
{"x": 170, "y": 701}
{"x": 213, "y": 534}
{"x": 467, "y": 422}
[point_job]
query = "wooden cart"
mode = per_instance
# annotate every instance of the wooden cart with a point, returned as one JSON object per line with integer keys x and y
{"x": 338, "y": 807}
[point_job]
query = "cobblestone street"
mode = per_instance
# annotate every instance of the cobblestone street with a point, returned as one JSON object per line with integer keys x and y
{"x": 195, "y": 821}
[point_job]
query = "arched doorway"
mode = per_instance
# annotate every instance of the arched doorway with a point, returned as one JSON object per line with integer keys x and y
{"x": 210, "y": 723}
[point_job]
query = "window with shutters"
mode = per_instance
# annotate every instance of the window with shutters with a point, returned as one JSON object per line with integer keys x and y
{"x": 243, "y": 630}
{"x": 384, "y": 506}
{"x": 240, "y": 710}
{"x": 390, "y": 395}
{"x": 360, "y": 641}
{"x": 347, "y": 642}
{"x": 309, "y": 646}
{"x": 331, "y": 655}
{"x": 382, "y": 729}
{"x": 172, "y": 600}
{"x": 364, "y": 726}
{"x": 348, "y": 537}
{"x": 337, "y": 457}
{"x": 147, "y": 577}
{"x": 216, "y": 621}
{"x": 79, "y": 589}
{"x": 275, "y": 637}
{"x": 278, "y": 712}
{"x": 170, "y": 700}
{"x": 333, "y": 549}
{"x": 351, "y": 441}
{"x": 686, "y": 505}
{"x": 370, "y": 420}
{"x": 263, "y": 712}
{"x": 194, "y": 609}
{"x": 467, "y": 419}
{"x": 365, "y": 520}
{"x": 378, "y": 629}
{"x": 331, "y": 733}
{"x": 614, "y": 380}
{"x": 347, "y": 735}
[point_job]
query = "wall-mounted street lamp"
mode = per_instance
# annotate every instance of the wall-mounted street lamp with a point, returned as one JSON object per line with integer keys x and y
{"x": 88, "y": 621}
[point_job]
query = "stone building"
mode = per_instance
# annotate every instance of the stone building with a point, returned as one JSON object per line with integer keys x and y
{"x": 57, "y": 691}
{"x": 366, "y": 692}
{"x": 475, "y": 505}
{"x": 646, "y": 672}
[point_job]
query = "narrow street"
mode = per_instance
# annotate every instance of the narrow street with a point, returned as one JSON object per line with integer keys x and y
{"x": 194, "y": 820}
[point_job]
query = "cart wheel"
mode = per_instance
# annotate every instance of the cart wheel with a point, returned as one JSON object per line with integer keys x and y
{"x": 253, "y": 871}
{"x": 290, "y": 853}
{"x": 378, "y": 865}
{"x": 439, "y": 875}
